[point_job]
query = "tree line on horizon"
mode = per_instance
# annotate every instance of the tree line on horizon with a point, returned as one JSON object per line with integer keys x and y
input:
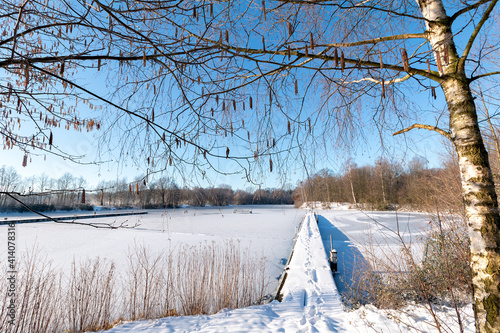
{"x": 380, "y": 186}
{"x": 386, "y": 185}
{"x": 42, "y": 193}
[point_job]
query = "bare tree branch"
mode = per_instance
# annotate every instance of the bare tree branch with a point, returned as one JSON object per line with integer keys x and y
{"x": 427, "y": 127}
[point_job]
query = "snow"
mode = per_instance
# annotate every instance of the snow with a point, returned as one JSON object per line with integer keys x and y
{"x": 311, "y": 300}
{"x": 268, "y": 232}
{"x": 359, "y": 236}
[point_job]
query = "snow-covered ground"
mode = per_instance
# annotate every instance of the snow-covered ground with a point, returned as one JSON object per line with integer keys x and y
{"x": 311, "y": 301}
{"x": 359, "y": 236}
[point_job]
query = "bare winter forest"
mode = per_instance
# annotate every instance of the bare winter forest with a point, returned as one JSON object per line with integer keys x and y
{"x": 382, "y": 186}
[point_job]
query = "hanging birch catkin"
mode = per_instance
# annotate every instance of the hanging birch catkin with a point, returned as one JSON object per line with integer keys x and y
{"x": 296, "y": 87}
{"x": 51, "y": 139}
{"x": 144, "y": 58}
{"x": 306, "y": 51}
{"x": 290, "y": 29}
{"x": 311, "y": 40}
{"x": 263, "y": 43}
{"x": 289, "y": 52}
{"x": 270, "y": 164}
{"x": 83, "y": 196}
{"x": 446, "y": 54}
{"x": 98, "y": 64}
{"x": 380, "y": 59}
{"x": 26, "y": 76}
{"x": 211, "y": 10}
{"x": 130, "y": 188}
{"x": 383, "y": 88}
{"x": 227, "y": 152}
{"x": 251, "y": 102}
{"x": 404, "y": 56}
{"x": 438, "y": 62}
{"x": 102, "y": 197}
{"x": 342, "y": 61}
{"x": 289, "y": 128}
{"x": 264, "y": 9}
{"x": 25, "y": 160}
{"x": 428, "y": 65}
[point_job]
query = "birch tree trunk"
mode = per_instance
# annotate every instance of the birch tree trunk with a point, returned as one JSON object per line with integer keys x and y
{"x": 478, "y": 189}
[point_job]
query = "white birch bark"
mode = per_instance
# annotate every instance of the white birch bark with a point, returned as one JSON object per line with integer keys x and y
{"x": 477, "y": 184}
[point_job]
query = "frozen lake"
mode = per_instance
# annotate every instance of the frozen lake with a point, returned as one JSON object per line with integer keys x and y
{"x": 364, "y": 236}
{"x": 268, "y": 232}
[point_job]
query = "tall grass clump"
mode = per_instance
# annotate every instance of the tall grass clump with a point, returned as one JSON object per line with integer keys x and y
{"x": 147, "y": 284}
{"x": 39, "y": 297}
{"x": 221, "y": 276}
{"x": 93, "y": 296}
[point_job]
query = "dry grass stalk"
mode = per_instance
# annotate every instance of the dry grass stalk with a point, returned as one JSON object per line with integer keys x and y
{"x": 38, "y": 299}
{"x": 91, "y": 296}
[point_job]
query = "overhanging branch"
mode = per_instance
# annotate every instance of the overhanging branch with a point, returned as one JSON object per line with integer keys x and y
{"x": 483, "y": 75}
{"x": 468, "y": 47}
{"x": 427, "y": 127}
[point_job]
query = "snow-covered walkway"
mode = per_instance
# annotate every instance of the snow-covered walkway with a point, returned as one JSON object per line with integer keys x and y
{"x": 311, "y": 302}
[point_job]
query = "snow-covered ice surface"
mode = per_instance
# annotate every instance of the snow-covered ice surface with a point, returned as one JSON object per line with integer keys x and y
{"x": 360, "y": 235}
{"x": 268, "y": 232}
